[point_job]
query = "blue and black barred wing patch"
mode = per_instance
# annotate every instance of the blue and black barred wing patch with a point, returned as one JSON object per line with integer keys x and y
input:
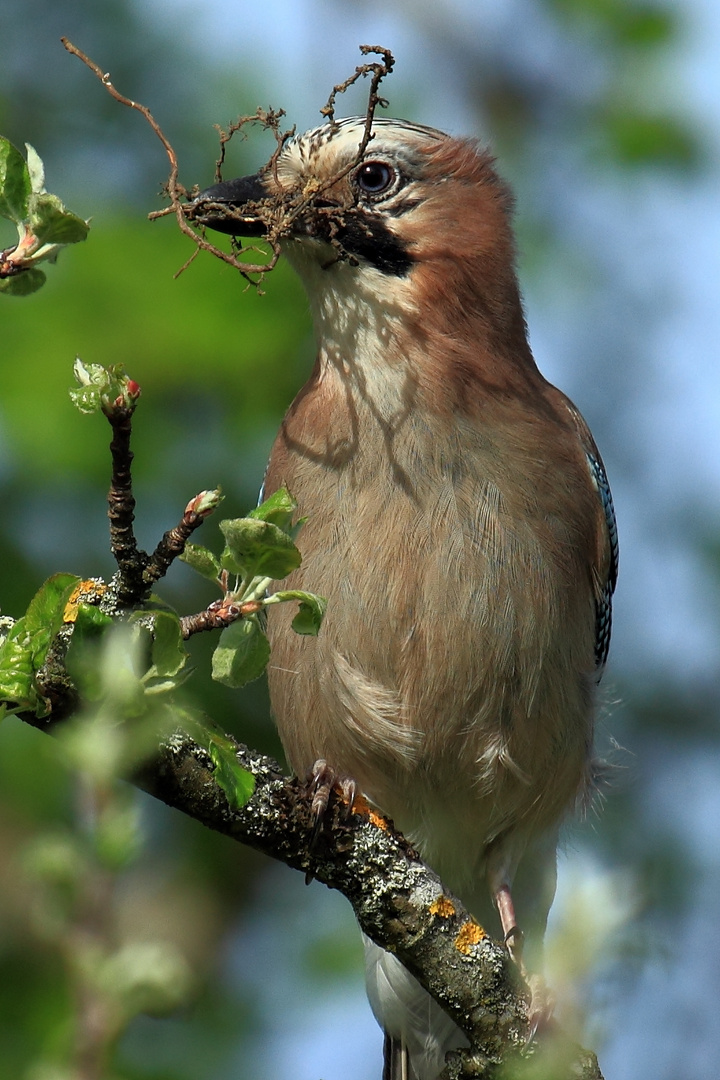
{"x": 603, "y": 604}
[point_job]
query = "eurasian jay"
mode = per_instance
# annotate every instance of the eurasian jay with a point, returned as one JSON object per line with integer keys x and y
{"x": 459, "y": 523}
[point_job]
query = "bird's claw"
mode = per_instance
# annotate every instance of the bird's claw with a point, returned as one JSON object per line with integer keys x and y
{"x": 322, "y": 781}
{"x": 514, "y": 940}
{"x": 540, "y": 1009}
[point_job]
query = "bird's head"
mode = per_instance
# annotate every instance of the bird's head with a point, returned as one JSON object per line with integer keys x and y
{"x": 411, "y": 219}
{"x": 325, "y": 195}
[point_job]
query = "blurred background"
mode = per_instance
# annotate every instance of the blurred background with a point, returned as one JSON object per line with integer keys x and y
{"x": 605, "y": 116}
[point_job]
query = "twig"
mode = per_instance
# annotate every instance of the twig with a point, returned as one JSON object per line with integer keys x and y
{"x": 138, "y": 571}
{"x": 104, "y": 78}
{"x": 170, "y": 546}
{"x": 131, "y": 560}
{"x": 174, "y": 188}
{"x": 379, "y": 70}
{"x": 217, "y": 616}
{"x": 269, "y": 119}
{"x": 173, "y": 542}
{"x": 277, "y": 213}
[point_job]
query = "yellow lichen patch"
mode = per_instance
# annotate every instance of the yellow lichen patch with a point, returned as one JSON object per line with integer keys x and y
{"x": 378, "y": 820}
{"x": 443, "y": 907}
{"x": 360, "y": 805}
{"x": 83, "y": 591}
{"x": 471, "y": 933}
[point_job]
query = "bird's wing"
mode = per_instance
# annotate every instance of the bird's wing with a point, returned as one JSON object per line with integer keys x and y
{"x": 605, "y": 565}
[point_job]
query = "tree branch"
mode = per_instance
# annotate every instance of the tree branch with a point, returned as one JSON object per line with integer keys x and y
{"x": 398, "y": 901}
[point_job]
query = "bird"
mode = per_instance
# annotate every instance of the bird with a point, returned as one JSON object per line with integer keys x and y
{"x": 459, "y": 523}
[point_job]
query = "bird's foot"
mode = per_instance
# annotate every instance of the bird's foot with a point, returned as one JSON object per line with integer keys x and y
{"x": 542, "y": 1001}
{"x": 322, "y": 781}
{"x": 512, "y": 934}
{"x": 541, "y": 1007}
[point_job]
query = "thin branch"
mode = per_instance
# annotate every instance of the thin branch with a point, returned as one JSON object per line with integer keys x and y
{"x": 173, "y": 542}
{"x": 217, "y": 616}
{"x": 379, "y": 70}
{"x": 138, "y": 571}
{"x": 104, "y": 77}
{"x": 270, "y": 120}
{"x": 175, "y": 190}
{"x": 131, "y": 560}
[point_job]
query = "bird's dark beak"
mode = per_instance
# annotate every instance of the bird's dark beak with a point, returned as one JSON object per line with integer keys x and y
{"x": 233, "y": 206}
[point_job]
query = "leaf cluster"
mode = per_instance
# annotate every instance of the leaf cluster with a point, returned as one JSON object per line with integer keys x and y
{"x": 259, "y": 549}
{"x": 44, "y": 226}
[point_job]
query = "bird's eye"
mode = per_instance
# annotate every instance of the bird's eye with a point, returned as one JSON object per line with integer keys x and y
{"x": 374, "y": 177}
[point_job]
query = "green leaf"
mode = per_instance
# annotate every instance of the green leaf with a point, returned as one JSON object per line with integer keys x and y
{"x": 24, "y": 650}
{"x": 46, "y": 611}
{"x": 278, "y": 509}
{"x": 312, "y": 610}
{"x": 168, "y": 655}
{"x": 89, "y": 618}
{"x": 258, "y": 549}
{"x": 36, "y": 170}
{"x": 168, "y": 648}
{"x": 44, "y": 225}
{"x": 22, "y": 284}
{"x": 103, "y": 388}
{"x": 202, "y": 561}
{"x": 242, "y": 653}
{"x": 237, "y": 783}
{"x": 15, "y": 183}
{"x": 52, "y": 223}
{"x": 17, "y": 683}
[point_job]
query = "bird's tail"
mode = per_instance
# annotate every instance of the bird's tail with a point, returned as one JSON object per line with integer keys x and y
{"x": 418, "y": 1034}
{"x": 396, "y": 1061}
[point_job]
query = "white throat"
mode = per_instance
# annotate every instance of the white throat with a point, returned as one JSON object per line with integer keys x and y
{"x": 362, "y": 319}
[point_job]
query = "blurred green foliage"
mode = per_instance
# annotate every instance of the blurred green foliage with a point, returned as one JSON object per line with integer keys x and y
{"x": 623, "y": 23}
{"x": 181, "y": 338}
{"x": 636, "y": 138}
